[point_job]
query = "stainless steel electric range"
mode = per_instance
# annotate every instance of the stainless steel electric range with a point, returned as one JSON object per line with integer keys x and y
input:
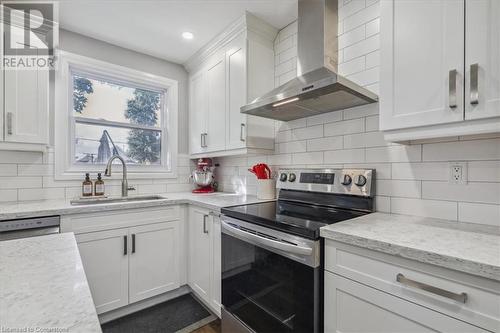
{"x": 272, "y": 254}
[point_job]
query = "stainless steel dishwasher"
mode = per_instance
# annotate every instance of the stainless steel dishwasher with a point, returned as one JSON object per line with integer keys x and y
{"x": 29, "y": 227}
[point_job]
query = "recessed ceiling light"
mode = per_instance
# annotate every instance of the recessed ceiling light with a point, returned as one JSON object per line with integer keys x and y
{"x": 187, "y": 35}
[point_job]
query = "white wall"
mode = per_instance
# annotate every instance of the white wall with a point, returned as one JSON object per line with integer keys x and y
{"x": 30, "y": 175}
{"x": 411, "y": 179}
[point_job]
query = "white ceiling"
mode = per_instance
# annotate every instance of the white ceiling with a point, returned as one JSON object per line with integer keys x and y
{"x": 154, "y": 27}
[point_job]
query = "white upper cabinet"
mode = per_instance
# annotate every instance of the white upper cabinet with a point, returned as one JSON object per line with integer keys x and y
{"x": 421, "y": 79}
{"x": 229, "y": 72}
{"x": 25, "y": 108}
{"x": 428, "y": 89}
{"x": 482, "y": 59}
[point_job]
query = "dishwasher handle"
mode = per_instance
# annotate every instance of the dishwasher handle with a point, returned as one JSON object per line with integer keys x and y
{"x": 24, "y": 233}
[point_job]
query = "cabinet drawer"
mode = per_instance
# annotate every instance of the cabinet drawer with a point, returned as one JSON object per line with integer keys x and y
{"x": 378, "y": 270}
{"x": 83, "y": 223}
{"x": 346, "y": 302}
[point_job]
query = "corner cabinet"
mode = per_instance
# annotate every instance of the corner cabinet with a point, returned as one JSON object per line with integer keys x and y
{"x": 204, "y": 267}
{"x": 428, "y": 88}
{"x": 24, "y": 113}
{"x": 229, "y": 72}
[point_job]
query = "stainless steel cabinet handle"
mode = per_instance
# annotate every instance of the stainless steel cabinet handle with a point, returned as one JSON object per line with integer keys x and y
{"x": 452, "y": 88}
{"x": 242, "y": 128}
{"x": 125, "y": 245}
{"x": 9, "y": 123}
{"x": 474, "y": 84}
{"x": 201, "y": 140}
{"x": 462, "y": 298}
{"x": 205, "y": 230}
{"x": 133, "y": 243}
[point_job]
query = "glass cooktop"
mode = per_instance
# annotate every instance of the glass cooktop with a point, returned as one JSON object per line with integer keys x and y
{"x": 299, "y": 219}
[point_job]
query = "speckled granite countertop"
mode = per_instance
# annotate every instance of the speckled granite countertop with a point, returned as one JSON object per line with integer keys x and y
{"x": 43, "y": 286}
{"x": 465, "y": 247}
{"x": 213, "y": 201}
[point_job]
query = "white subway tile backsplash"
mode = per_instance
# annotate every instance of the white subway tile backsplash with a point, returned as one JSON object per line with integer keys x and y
{"x": 323, "y": 144}
{"x": 373, "y": 59}
{"x": 307, "y": 132}
{"x": 399, "y": 188}
{"x": 364, "y": 16}
{"x": 462, "y": 150}
{"x": 292, "y": 147}
{"x": 383, "y": 204}
{"x": 324, "y": 118}
{"x": 29, "y": 194}
{"x": 373, "y": 27}
{"x": 382, "y": 170}
{"x": 484, "y": 171}
{"x": 367, "y": 139}
{"x": 471, "y": 192}
{"x": 352, "y": 66}
{"x": 428, "y": 208}
{"x": 307, "y": 158}
{"x": 361, "y": 111}
{"x": 421, "y": 171}
{"x": 371, "y": 123}
{"x": 14, "y": 157}
{"x": 362, "y": 48}
{"x": 8, "y": 170}
{"x": 350, "y": 8}
{"x": 479, "y": 213}
{"x": 394, "y": 154}
{"x": 351, "y": 37}
{"x": 8, "y": 195}
{"x": 345, "y": 127}
{"x": 345, "y": 156}
{"x": 35, "y": 169}
{"x": 20, "y": 182}
{"x": 366, "y": 77}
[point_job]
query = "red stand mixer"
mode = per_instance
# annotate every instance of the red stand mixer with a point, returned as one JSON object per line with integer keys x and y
{"x": 203, "y": 176}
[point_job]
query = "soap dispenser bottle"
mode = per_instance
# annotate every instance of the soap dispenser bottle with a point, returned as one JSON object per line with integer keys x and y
{"x": 87, "y": 186}
{"x": 99, "y": 185}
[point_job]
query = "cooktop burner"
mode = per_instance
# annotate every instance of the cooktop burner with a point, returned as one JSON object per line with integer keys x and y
{"x": 295, "y": 218}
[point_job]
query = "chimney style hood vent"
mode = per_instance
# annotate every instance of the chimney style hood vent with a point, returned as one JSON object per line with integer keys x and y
{"x": 317, "y": 88}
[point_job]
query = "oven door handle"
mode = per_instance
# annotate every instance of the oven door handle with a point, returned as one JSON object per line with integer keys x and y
{"x": 259, "y": 240}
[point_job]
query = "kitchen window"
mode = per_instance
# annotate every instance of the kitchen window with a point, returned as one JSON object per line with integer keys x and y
{"x": 104, "y": 109}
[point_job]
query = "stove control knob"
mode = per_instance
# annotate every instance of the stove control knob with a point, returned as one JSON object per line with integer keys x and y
{"x": 360, "y": 180}
{"x": 283, "y": 177}
{"x": 347, "y": 180}
{"x": 292, "y": 177}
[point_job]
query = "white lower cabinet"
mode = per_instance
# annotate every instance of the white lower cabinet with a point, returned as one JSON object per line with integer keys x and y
{"x": 153, "y": 260}
{"x": 204, "y": 268}
{"x": 106, "y": 266}
{"x": 369, "y": 291}
{"x": 128, "y": 256}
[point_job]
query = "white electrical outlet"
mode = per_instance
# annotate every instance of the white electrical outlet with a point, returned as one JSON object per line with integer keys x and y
{"x": 458, "y": 172}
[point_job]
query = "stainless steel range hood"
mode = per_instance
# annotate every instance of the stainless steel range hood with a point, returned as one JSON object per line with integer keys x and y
{"x": 317, "y": 88}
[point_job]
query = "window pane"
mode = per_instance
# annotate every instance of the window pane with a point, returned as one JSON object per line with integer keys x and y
{"x": 95, "y": 144}
{"x": 101, "y": 99}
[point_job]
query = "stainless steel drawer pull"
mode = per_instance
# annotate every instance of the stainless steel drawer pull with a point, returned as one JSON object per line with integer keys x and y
{"x": 452, "y": 88}
{"x": 9, "y": 123}
{"x": 242, "y": 128}
{"x": 474, "y": 84}
{"x": 462, "y": 298}
{"x": 205, "y": 230}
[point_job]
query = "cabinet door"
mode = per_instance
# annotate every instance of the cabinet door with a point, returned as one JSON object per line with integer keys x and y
{"x": 105, "y": 260}
{"x": 216, "y": 104}
{"x": 216, "y": 278}
{"x": 26, "y": 101}
{"x": 236, "y": 94}
{"x": 153, "y": 265}
{"x": 197, "y": 113}
{"x": 347, "y": 301}
{"x": 482, "y": 59}
{"x": 421, "y": 74}
{"x": 199, "y": 252}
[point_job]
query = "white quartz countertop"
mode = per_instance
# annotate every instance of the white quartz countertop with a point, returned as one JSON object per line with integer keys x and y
{"x": 43, "y": 287}
{"x": 213, "y": 201}
{"x": 465, "y": 247}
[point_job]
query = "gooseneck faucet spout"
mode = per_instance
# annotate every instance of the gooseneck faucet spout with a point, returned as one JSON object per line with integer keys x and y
{"x": 125, "y": 187}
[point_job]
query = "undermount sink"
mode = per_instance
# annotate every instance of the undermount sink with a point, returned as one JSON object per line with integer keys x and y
{"x": 96, "y": 201}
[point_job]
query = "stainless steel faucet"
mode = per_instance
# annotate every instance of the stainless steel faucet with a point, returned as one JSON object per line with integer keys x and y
{"x": 125, "y": 187}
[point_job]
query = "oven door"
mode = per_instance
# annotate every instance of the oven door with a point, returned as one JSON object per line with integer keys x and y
{"x": 271, "y": 281}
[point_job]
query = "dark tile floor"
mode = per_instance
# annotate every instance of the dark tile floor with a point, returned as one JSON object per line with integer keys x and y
{"x": 166, "y": 317}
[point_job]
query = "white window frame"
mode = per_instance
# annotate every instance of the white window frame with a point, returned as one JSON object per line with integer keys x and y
{"x": 64, "y": 133}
